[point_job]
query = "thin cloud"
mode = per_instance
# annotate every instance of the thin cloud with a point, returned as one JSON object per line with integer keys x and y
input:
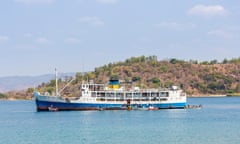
{"x": 208, "y": 10}
{"x": 94, "y": 21}
{"x": 108, "y": 1}
{"x": 35, "y": 1}
{"x": 72, "y": 40}
{"x": 4, "y": 38}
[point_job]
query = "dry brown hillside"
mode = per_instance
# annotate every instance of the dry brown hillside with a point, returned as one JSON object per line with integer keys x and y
{"x": 205, "y": 78}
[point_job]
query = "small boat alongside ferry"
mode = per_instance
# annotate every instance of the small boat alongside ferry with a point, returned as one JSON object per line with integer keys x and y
{"x": 113, "y": 96}
{"x": 53, "y": 109}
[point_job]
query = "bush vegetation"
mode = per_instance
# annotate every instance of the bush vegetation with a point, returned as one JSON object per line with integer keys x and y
{"x": 196, "y": 78}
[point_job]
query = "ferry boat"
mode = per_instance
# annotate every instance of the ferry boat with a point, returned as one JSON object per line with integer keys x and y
{"x": 113, "y": 97}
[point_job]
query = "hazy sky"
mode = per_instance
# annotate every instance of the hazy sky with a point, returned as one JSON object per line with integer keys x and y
{"x": 78, "y": 35}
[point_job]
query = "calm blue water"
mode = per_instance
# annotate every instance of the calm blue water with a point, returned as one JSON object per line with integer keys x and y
{"x": 218, "y": 122}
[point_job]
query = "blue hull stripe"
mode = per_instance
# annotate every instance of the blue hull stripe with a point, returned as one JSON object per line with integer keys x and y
{"x": 44, "y": 105}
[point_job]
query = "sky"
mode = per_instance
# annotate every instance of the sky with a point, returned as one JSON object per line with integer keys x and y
{"x": 37, "y": 36}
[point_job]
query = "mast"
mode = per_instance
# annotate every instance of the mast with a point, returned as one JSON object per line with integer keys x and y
{"x": 56, "y": 81}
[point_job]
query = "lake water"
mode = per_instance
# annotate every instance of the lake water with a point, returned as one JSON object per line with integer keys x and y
{"x": 218, "y": 122}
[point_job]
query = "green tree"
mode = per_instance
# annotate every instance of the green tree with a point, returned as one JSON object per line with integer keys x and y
{"x": 213, "y": 62}
{"x": 167, "y": 84}
{"x": 194, "y": 61}
{"x": 50, "y": 90}
{"x": 136, "y": 78}
{"x": 30, "y": 90}
{"x": 52, "y": 83}
{"x": 173, "y": 61}
{"x": 204, "y": 63}
{"x": 3, "y": 96}
{"x": 114, "y": 77}
{"x": 216, "y": 86}
{"x": 156, "y": 80}
{"x": 225, "y": 61}
{"x": 237, "y": 89}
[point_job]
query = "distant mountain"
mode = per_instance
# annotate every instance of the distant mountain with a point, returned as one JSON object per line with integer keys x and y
{"x": 24, "y": 82}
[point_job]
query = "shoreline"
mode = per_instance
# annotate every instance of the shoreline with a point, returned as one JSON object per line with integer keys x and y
{"x": 13, "y": 99}
{"x": 206, "y": 95}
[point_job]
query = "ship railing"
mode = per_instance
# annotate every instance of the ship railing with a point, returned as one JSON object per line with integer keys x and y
{"x": 133, "y": 99}
{"x": 129, "y": 94}
{"x": 51, "y": 98}
{"x": 163, "y": 89}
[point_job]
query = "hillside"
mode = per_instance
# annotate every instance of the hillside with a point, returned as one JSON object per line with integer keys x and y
{"x": 205, "y": 78}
